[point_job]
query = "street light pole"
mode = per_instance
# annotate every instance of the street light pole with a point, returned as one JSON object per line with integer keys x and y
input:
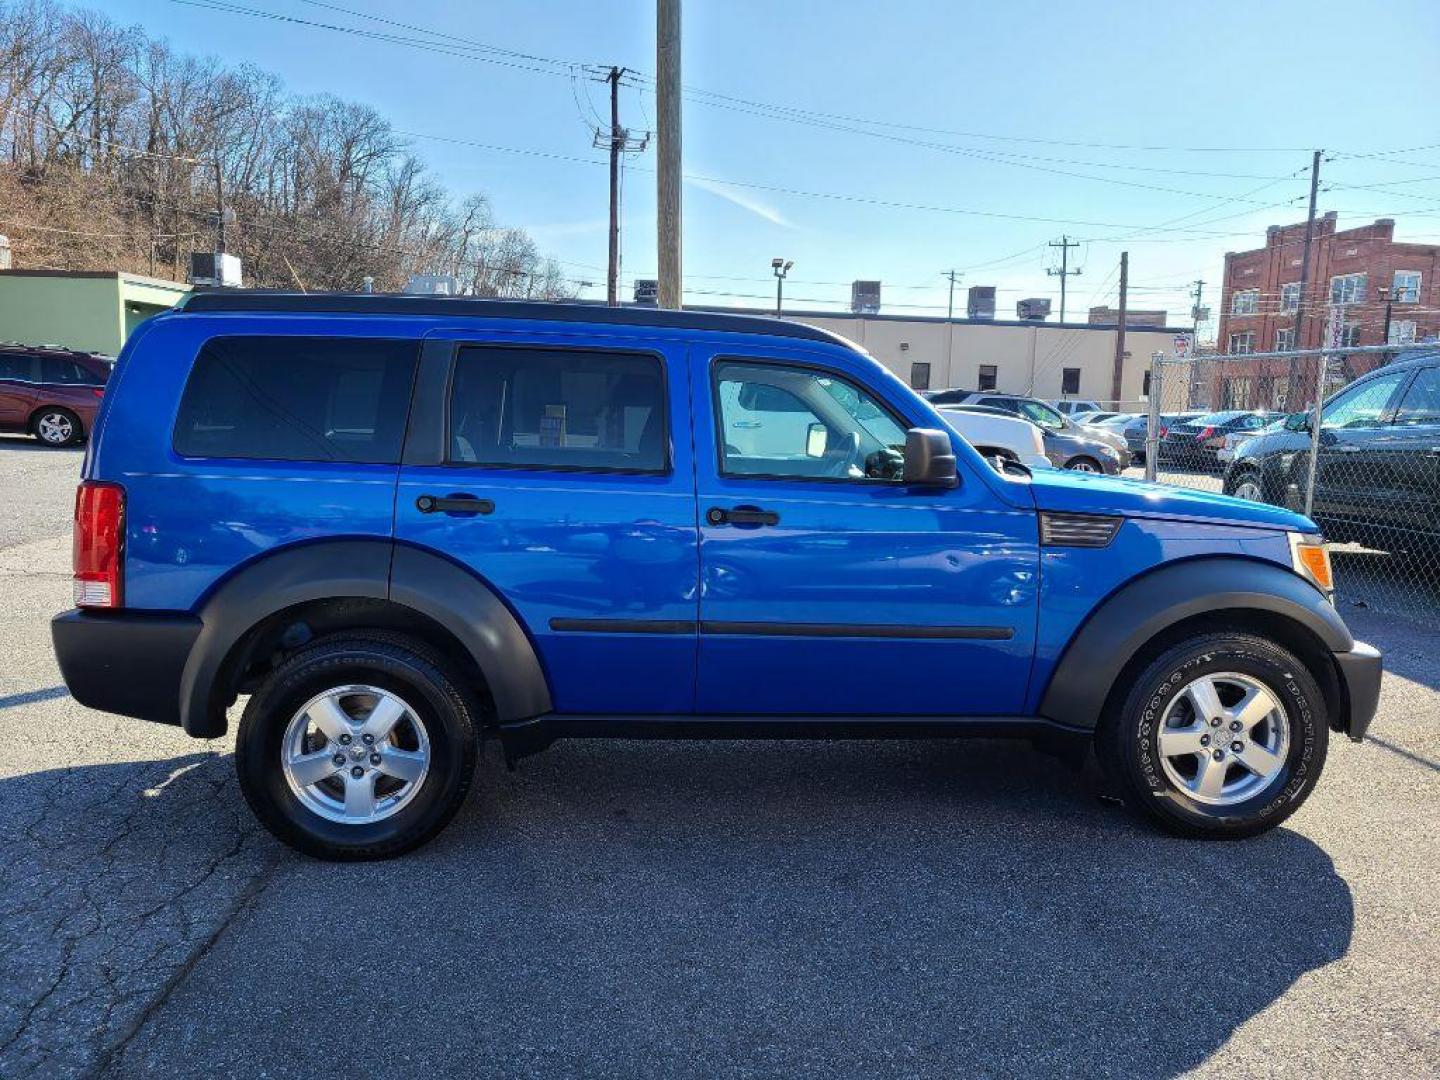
{"x": 781, "y": 268}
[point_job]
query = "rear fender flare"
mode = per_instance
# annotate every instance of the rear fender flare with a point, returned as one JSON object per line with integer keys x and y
{"x": 365, "y": 569}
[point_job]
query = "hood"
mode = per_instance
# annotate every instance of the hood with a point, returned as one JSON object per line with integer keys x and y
{"x": 1090, "y": 493}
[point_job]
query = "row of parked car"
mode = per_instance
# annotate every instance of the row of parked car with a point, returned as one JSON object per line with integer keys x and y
{"x": 1031, "y": 431}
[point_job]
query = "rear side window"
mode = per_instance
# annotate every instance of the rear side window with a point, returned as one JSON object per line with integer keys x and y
{"x": 17, "y": 366}
{"x": 297, "y": 399}
{"x": 54, "y": 369}
{"x": 559, "y": 409}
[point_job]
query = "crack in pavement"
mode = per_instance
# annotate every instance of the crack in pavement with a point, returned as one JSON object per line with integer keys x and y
{"x": 114, "y": 881}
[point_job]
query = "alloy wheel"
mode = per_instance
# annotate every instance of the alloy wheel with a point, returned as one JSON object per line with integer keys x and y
{"x": 1224, "y": 739}
{"x": 55, "y": 428}
{"x": 355, "y": 754}
{"x": 1249, "y": 490}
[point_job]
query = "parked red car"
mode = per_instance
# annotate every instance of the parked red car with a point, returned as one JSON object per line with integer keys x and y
{"x": 50, "y": 392}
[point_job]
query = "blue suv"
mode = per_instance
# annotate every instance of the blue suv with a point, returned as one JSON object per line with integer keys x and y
{"x": 402, "y": 524}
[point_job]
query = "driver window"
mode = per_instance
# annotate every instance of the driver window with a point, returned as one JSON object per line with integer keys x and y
{"x": 1363, "y": 406}
{"x": 795, "y": 423}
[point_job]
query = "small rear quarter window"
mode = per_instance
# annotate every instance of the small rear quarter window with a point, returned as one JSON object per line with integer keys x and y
{"x": 297, "y": 399}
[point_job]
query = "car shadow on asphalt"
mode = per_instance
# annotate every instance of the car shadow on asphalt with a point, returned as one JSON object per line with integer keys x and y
{"x": 679, "y": 909}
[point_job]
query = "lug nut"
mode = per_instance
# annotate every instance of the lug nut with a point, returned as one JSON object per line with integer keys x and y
{"x": 367, "y": 738}
{"x": 345, "y": 739}
{"x": 1237, "y": 746}
{"x": 1204, "y": 741}
{"x": 1235, "y": 725}
{"x": 374, "y": 759}
{"x": 357, "y": 772}
{"x": 339, "y": 759}
{"x": 1218, "y": 755}
{"x": 1214, "y": 721}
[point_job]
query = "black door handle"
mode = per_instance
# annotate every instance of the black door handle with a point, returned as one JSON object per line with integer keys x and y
{"x": 453, "y": 504}
{"x": 741, "y": 515}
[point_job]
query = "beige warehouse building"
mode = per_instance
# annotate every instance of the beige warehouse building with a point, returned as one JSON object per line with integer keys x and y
{"x": 1047, "y": 360}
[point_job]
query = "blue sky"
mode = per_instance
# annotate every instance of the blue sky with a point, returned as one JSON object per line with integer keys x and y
{"x": 953, "y": 111}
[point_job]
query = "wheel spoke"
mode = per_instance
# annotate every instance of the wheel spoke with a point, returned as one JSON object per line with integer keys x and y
{"x": 312, "y": 768}
{"x": 383, "y": 718}
{"x": 1255, "y": 706}
{"x": 1259, "y": 760}
{"x": 360, "y": 795}
{"x": 1182, "y": 740}
{"x": 327, "y": 715}
{"x": 1205, "y": 699}
{"x": 1210, "y": 777}
{"x": 404, "y": 765}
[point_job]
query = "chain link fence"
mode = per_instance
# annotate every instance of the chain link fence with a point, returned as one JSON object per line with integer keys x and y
{"x": 1368, "y": 473}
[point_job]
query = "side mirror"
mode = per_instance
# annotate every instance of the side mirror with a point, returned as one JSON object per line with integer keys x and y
{"x": 1298, "y": 422}
{"x": 929, "y": 459}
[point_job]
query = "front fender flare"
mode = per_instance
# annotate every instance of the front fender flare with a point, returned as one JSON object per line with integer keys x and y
{"x": 1135, "y": 613}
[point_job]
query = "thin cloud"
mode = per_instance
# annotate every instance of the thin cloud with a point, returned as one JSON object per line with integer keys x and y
{"x": 745, "y": 202}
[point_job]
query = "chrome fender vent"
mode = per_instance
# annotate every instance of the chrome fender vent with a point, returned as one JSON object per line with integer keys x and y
{"x": 1078, "y": 530}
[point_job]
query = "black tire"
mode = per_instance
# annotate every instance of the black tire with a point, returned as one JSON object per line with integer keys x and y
{"x": 1127, "y": 746}
{"x": 1239, "y": 477}
{"x": 423, "y": 679}
{"x": 42, "y": 423}
{"x": 1084, "y": 463}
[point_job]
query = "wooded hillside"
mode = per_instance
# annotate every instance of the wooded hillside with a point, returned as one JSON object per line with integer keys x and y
{"x": 109, "y": 144}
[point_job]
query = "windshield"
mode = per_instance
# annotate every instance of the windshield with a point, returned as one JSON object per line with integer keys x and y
{"x": 1042, "y": 415}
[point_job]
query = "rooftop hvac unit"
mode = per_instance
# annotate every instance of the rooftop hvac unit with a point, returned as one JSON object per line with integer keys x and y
{"x": 1034, "y": 309}
{"x": 433, "y": 285}
{"x": 981, "y": 302}
{"x": 216, "y": 269}
{"x": 865, "y": 297}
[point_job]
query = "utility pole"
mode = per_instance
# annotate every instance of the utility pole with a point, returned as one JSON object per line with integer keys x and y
{"x": 950, "y": 330}
{"x": 617, "y": 141}
{"x": 1197, "y": 292}
{"x": 1064, "y": 244}
{"x": 612, "y": 278}
{"x": 667, "y": 120}
{"x": 1117, "y": 378}
{"x": 219, "y": 210}
{"x": 1300, "y": 301}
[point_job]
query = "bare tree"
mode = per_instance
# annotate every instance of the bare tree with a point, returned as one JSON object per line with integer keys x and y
{"x": 109, "y": 141}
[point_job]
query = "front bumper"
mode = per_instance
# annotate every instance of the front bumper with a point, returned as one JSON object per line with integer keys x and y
{"x": 1360, "y": 671}
{"x": 124, "y": 662}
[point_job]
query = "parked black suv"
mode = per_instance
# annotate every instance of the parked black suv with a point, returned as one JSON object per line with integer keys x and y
{"x": 1378, "y": 472}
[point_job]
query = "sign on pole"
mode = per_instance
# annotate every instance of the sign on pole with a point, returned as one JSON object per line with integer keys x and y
{"x": 1335, "y": 327}
{"x": 1182, "y": 346}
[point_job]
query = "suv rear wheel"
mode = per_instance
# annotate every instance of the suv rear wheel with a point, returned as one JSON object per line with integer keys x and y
{"x": 1222, "y": 737}
{"x": 57, "y": 427}
{"x": 360, "y": 746}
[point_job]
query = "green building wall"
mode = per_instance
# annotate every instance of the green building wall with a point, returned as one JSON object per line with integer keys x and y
{"x": 89, "y": 311}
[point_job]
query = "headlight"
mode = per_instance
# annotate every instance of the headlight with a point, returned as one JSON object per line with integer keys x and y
{"x": 1310, "y": 558}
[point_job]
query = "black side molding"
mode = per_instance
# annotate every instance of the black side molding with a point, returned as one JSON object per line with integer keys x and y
{"x": 623, "y": 626}
{"x": 857, "y": 630}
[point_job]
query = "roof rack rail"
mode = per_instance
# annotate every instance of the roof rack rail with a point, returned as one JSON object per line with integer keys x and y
{"x": 264, "y": 300}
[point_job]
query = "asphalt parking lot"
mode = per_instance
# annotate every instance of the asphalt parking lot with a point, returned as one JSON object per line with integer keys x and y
{"x": 754, "y": 909}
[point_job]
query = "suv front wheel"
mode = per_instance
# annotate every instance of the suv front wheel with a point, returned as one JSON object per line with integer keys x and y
{"x": 359, "y": 746}
{"x": 1222, "y": 737}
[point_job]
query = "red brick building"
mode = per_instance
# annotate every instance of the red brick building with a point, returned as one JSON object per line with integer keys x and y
{"x": 1357, "y": 269}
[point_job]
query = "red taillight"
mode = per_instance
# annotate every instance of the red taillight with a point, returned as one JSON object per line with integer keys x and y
{"x": 99, "y": 544}
{"x": 1164, "y": 431}
{"x": 1206, "y": 433}
{"x": 98, "y": 391}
